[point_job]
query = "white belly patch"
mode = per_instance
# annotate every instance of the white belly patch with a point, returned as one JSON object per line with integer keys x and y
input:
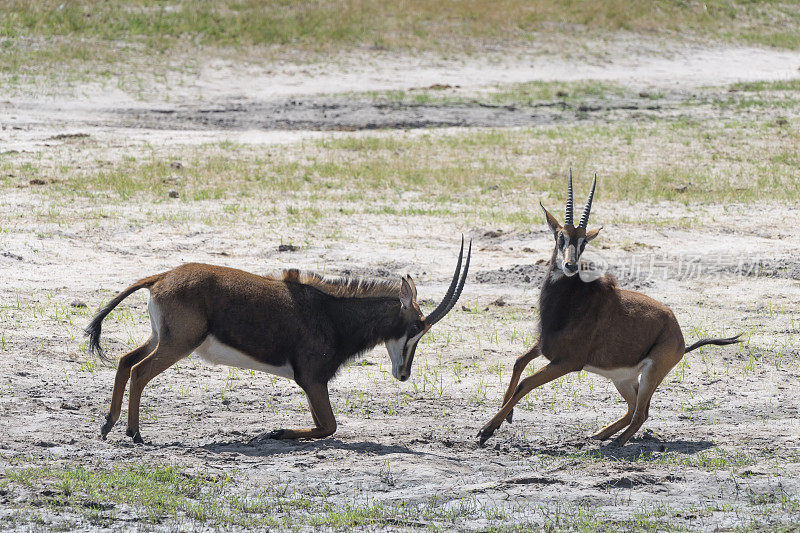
{"x": 625, "y": 373}
{"x": 218, "y": 353}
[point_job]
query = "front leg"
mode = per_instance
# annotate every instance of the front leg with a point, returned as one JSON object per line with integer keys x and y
{"x": 520, "y": 364}
{"x": 540, "y": 377}
{"x": 321, "y": 412}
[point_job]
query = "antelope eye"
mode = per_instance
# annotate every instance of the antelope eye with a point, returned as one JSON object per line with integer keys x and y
{"x": 414, "y": 330}
{"x": 560, "y": 240}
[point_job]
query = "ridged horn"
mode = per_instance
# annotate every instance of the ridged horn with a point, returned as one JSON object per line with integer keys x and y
{"x": 588, "y": 208}
{"x": 454, "y": 291}
{"x": 568, "y": 213}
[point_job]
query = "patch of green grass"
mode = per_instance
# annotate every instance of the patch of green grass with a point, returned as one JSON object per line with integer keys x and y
{"x": 759, "y": 86}
{"x": 707, "y": 163}
{"x": 168, "y": 494}
{"x": 156, "y": 492}
{"x": 414, "y": 23}
{"x": 165, "y": 496}
{"x": 537, "y": 91}
{"x": 527, "y": 93}
{"x": 746, "y": 102}
{"x": 94, "y": 38}
{"x": 495, "y": 175}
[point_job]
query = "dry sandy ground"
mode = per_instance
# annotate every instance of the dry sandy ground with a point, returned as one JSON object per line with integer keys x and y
{"x": 722, "y": 447}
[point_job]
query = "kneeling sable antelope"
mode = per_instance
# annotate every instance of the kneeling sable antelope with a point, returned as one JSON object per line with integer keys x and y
{"x": 302, "y": 327}
{"x": 588, "y": 323}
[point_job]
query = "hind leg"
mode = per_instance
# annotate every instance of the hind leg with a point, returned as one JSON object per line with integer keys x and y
{"x": 629, "y": 390}
{"x": 662, "y": 359}
{"x": 121, "y": 380}
{"x": 164, "y": 356}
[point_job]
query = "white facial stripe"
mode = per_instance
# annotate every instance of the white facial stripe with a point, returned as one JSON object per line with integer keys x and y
{"x": 395, "y": 349}
{"x": 561, "y": 262}
{"x": 400, "y": 350}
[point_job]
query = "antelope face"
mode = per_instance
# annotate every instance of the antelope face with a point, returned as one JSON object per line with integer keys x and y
{"x": 414, "y": 324}
{"x": 571, "y": 240}
{"x": 402, "y": 349}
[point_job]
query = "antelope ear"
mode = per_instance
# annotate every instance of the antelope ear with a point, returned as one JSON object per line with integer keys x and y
{"x": 592, "y": 234}
{"x": 413, "y": 287}
{"x": 555, "y": 227}
{"x": 408, "y": 292}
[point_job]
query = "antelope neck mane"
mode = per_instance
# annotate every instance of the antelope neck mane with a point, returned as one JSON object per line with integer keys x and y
{"x": 345, "y": 287}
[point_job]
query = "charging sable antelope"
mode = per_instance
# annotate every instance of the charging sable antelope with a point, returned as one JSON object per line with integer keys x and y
{"x": 591, "y": 324}
{"x": 302, "y": 327}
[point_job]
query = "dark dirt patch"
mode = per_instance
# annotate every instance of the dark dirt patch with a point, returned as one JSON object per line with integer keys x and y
{"x": 10, "y": 255}
{"x": 516, "y": 274}
{"x": 68, "y": 136}
{"x": 329, "y": 113}
{"x": 533, "y": 480}
{"x": 534, "y": 275}
{"x": 630, "y": 480}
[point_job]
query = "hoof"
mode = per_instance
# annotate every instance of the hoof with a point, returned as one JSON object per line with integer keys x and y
{"x": 484, "y": 435}
{"x": 136, "y": 435}
{"x": 510, "y": 416}
{"x": 106, "y": 428}
{"x": 275, "y": 434}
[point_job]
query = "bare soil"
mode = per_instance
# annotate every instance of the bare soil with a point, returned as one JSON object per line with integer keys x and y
{"x": 721, "y": 449}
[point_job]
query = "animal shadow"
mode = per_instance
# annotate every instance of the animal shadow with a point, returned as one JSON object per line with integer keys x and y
{"x": 636, "y": 449}
{"x": 649, "y": 444}
{"x": 267, "y": 447}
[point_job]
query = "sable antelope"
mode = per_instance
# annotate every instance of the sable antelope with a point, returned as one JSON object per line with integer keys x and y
{"x": 593, "y": 325}
{"x": 302, "y": 327}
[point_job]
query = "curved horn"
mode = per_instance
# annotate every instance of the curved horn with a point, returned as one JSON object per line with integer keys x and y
{"x": 588, "y": 208}
{"x": 439, "y": 312}
{"x": 454, "y": 291}
{"x": 568, "y": 215}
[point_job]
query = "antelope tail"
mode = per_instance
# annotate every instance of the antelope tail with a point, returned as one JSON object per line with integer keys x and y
{"x": 718, "y": 342}
{"x": 94, "y": 327}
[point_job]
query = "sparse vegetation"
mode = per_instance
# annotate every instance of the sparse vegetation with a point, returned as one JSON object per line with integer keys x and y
{"x": 419, "y": 25}
{"x": 689, "y": 178}
{"x": 171, "y": 496}
{"x": 467, "y": 169}
{"x": 761, "y": 86}
{"x": 82, "y": 40}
